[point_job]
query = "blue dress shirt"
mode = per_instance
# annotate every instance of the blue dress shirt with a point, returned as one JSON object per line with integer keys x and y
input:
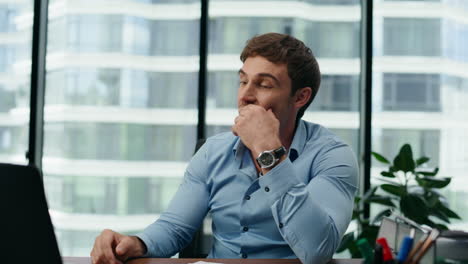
{"x": 299, "y": 209}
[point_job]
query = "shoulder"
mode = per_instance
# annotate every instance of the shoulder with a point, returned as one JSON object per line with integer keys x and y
{"x": 321, "y": 137}
{"x": 218, "y": 145}
{"x": 330, "y": 156}
{"x": 215, "y": 149}
{"x": 221, "y": 142}
{"x": 325, "y": 148}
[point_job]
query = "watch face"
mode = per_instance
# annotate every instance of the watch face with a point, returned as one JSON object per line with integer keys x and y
{"x": 266, "y": 159}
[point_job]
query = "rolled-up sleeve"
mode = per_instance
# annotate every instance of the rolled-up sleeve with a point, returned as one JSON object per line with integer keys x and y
{"x": 312, "y": 217}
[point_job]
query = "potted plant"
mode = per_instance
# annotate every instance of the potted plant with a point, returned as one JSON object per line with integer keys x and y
{"x": 409, "y": 189}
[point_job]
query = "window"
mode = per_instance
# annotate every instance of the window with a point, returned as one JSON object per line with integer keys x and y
{"x": 412, "y": 37}
{"x": 15, "y": 46}
{"x": 94, "y": 33}
{"x": 424, "y": 143}
{"x": 111, "y": 141}
{"x": 122, "y": 89}
{"x": 411, "y": 92}
{"x": 328, "y": 39}
{"x": 121, "y": 108}
{"x": 337, "y": 93}
{"x": 417, "y": 103}
{"x": 226, "y": 38}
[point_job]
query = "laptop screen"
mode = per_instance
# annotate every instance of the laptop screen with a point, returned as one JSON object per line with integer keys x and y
{"x": 28, "y": 233}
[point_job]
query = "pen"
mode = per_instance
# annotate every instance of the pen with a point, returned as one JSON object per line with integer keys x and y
{"x": 427, "y": 245}
{"x": 366, "y": 250}
{"x": 386, "y": 251}
{"x": 378, "y": 254}
{"x": 406, "y": 246}
{"x": 415, "y": 249}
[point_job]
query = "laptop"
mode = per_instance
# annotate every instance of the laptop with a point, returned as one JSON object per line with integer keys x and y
{"x": 27, "y": 234}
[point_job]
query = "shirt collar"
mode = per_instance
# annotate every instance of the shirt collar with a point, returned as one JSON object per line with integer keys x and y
{"x": 297, "y": 145}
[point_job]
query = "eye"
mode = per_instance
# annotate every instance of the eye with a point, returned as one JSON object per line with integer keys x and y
{"x": 242, "y": 83}
{"x": 266, "y": 85}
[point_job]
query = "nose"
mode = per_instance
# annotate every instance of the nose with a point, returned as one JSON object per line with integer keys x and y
{"x": 247, "y": 94}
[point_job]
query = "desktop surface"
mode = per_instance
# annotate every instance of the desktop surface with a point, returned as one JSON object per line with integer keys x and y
{"x": 87, "y": 260}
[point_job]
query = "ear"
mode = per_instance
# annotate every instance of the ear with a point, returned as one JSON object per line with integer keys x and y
{"x": 302, "y": 96}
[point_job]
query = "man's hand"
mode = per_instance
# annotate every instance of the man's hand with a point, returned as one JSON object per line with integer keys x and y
{"x": 111, "y": 247}
{"x": 258, "y": 129}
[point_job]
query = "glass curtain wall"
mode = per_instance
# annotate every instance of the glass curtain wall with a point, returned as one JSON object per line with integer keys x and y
{"x": 15, "y": 68}
{"x": 333, "y": 35}
{"x": 420, "y": 89}
{"x": 121, "y": 94}
{"x": 120, "y": 113}
{"x": 332, "y": 32}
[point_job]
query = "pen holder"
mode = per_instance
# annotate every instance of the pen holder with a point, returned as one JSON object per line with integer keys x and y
{"x": 396, "y": 228}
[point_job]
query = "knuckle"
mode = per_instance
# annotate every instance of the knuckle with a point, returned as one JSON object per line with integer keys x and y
{"x": 109, "y": 256}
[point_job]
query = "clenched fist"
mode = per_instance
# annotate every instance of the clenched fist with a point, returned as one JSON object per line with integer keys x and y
{"x": 258, "y": 128}
{"x": 111, "y": 248}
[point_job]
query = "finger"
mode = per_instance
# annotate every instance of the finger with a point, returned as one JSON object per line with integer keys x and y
{"x": 103, "y": 250}
{"x": 93, "y": 259}
{"x": 126, "y": 248}
{"x": 107, "y": 256}
{"x": 246, "y": 108}
{"x": 270, "y": 112}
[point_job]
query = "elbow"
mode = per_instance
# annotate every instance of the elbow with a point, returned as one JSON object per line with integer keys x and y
{"x": 323, "y": 253}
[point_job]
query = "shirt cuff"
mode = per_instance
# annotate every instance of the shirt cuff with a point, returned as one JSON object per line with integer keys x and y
{"x": 148, "y": 244}
{"x": 279, "y": 180}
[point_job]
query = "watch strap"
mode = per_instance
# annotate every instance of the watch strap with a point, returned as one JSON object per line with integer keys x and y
{"x": 279, "y": 152}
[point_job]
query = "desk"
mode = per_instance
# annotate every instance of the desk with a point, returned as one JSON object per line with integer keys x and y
{"x": 87, "y": 260}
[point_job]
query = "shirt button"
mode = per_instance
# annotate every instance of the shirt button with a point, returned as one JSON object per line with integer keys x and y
{"x": 280, "y": 225}
{"x": 245, "y": 229}
{"x": 244, "y": 255}
{"x": 247, "y": 197}
{"x": 267, "y": 189}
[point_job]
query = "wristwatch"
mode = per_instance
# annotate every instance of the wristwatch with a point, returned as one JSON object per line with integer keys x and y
{"x": 269, "y": 158}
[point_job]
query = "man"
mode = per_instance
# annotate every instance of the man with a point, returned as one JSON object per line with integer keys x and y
{"x": 276, "y": 187}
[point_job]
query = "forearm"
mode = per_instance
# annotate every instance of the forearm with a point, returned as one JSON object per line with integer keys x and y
{"x": 163, "y": 239}
{"x": 311, "y": 216}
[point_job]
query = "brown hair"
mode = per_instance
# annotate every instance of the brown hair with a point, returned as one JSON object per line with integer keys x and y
{"x": 302, "y": 67}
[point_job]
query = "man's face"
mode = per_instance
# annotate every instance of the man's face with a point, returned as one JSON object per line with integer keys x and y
{"x": 268, "y": 85}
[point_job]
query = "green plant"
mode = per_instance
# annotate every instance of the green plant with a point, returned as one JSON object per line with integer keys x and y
{"x": 408, "y": 189}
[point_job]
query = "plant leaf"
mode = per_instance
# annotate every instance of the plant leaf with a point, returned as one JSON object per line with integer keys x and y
{"x": 441, "y": 227}
{"x": 382, "y": 200}
{"x": 369, "y": 194}
{"x": 397, "y": 190}
{"x": 421, "y": 161}
{"x": 433, "y": 199}
{"x": 404, "y": 160}
{"x": 429, "y": 173}
{"x": 369, "y": 233}
{"x": 440, "y": 215}
{"x": 414, "y": 207}
{"x": 387, "y": 174}
{"x": 346, "y": 241}
{"x": 380, "y": 158}
{"x": 447, "y": 211}
{"x": 431, "y": 182}
{"x": 381, "y": 215}
{"x": 356, "y": 214}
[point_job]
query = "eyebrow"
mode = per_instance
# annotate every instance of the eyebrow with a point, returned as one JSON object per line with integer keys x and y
{"x": 262, "y": 74}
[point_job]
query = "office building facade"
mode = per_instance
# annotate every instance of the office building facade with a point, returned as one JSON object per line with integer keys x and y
{"x": 122, "y": 86}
